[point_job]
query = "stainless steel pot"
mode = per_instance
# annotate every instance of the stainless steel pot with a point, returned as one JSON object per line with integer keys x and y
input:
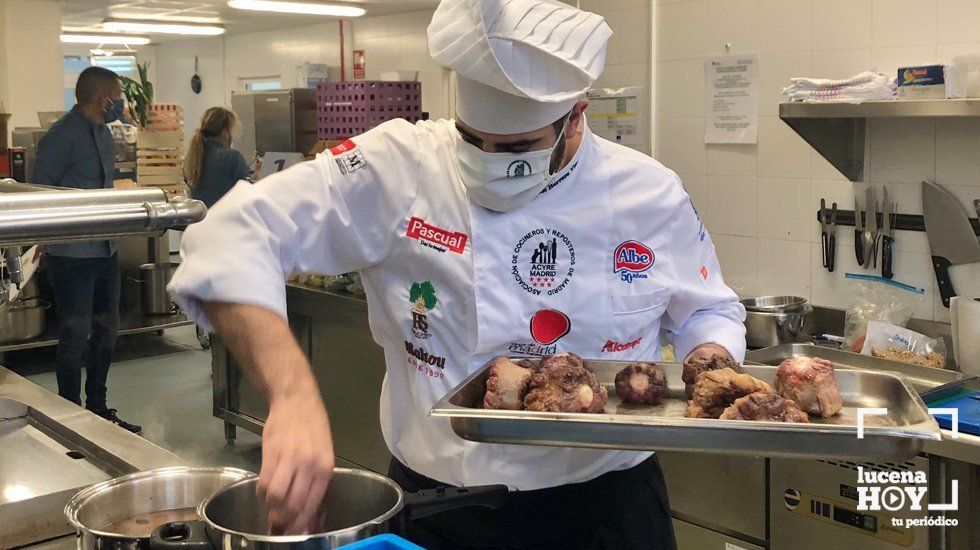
{"x": 358, "y": 504}
{"x": 22, "y": 320}
{"x": 774, "y": 304}
{"x": 153, "y": 288}
{"x": 121, "y": 513}
{"x": 766, "y": 329}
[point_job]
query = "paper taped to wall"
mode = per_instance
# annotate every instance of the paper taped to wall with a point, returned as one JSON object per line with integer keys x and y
{"x": 614, "y": 115}
{"x": 732, "y": 97}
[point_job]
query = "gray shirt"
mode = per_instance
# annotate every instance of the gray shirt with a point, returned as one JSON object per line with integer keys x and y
{"x": 78, "y": 153}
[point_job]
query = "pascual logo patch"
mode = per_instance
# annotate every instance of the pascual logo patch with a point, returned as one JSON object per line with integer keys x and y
{"x": 423, "y": 298}
{"x": 543, "y": 261}
{"x": 435, "y": 237}
{"x": 547, "y": 326}
{"x": 631, "y": 259}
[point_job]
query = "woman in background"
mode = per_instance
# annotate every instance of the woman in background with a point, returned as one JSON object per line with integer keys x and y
{"x": 213, "y": 167}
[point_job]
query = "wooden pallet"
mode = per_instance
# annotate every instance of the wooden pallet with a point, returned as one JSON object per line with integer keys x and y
{"x": 154, "y": 139}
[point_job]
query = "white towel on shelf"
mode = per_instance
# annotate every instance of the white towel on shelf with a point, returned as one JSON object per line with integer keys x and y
{"x": 865, "y": 86}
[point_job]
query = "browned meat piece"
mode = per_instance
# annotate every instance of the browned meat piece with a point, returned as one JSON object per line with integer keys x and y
{"x": 507, "y": 384}
{"x": 562, "y": 384}
{"x": 641, "y": 383}
{"x": 810, "y": 382}
{"x": 715, "y": 390}
{"x": 694, "y": 367}
{"x": 764, "y": 406}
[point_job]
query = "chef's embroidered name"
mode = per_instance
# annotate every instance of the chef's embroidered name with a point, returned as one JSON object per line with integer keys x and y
{"x": 426, "y": 233}
{"x": 422, "y": 360}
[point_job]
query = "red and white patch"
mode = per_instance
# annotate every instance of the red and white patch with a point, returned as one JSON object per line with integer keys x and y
{"x": 436, "y": 237}
{"x": 704, "y": 273}
{"x": 549, "y": 325}
{"x": 633, "y": 256}
{"x": 344, "y": 147}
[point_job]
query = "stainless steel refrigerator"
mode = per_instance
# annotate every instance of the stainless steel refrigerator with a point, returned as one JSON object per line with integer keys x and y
{"x": 281, "y": 121}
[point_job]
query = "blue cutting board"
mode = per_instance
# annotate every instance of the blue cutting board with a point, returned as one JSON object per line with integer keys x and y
{"x": 968, "y": 403}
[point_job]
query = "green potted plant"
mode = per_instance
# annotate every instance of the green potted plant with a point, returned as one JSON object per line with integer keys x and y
{"x": 139, "y": 94}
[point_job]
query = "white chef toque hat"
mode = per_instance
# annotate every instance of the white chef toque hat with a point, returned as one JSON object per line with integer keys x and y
{"x": 520, "y": 64}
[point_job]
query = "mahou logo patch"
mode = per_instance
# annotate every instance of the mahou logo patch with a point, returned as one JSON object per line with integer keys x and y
{"x": 631, "y": 259}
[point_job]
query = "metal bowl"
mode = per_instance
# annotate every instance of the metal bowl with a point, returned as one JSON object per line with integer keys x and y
{"x": 774, "y": 304}
{"x": 766, "y": 329}
{"x": 121, "y": 513}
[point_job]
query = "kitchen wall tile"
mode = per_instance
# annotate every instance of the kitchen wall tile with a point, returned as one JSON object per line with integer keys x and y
{"x": 739, "y": 262}
{"x": 630, "y": 42}
{"x": 826, "y": 288}
{"x": 680, "y": 144}
{"x": 888, "y": 60}
{"x": 784, "y": 267}
{"x": 903, "y": 22}
{"x": 697, "y": 187}
{"x": 603, "y": 6}
{"x": 775, "y": 70}
{"x": 820, "y": 168}
{"x": 946, "y": 52}
{"x": 915, "y": 268}
{"x": 732, "y": 205}
{"x": 731, "y": 160}
{"x": 782, "y": 152}
{"x": 902, "y": 150}
{"x": 840, "y": 63}
{"x": 957, "y": 147}
{"x": 958, "y": 20}
{"x": 839, "y": 24}
{"x": 734, "y": 22}
{"x": 682, "y": 30}
{"x": 680, "y": 88}
{"x": 785, "y": 26}
{"x": 785, "y": 209}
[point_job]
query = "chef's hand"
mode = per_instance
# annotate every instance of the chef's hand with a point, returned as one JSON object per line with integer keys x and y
{"x": 297, "y": 460}
{"x": 707, "y": 351}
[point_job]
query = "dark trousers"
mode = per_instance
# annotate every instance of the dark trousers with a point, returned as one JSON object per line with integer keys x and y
{"x": 86, "y": 294}
{"x": 624, "y": 510}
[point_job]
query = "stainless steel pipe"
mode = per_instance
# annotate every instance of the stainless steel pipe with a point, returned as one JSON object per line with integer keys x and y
{"x": 44, "y": 217}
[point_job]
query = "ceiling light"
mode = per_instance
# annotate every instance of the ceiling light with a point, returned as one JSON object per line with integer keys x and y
{"x": 297, "y": 7}
{"x": 161, "y": 26}
{"x": 167, "y": 18}
{"x": 104, "y": 39}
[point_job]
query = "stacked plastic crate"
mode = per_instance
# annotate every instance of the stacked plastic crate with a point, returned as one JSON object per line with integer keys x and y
{"x": 346, "y": 109}
{"x": 160, "y": 149}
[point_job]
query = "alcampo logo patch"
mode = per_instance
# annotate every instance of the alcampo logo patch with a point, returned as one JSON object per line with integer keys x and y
{"x": 549, "y": 325}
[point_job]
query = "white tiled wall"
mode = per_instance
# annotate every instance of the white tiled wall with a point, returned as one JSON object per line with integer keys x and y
{"x": 759, "y": 201}
{"x": 31, "y": 66}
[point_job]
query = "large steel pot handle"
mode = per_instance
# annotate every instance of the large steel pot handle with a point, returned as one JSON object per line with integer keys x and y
{"x": 441, "y": 499}
{"x": 181, "y": 535}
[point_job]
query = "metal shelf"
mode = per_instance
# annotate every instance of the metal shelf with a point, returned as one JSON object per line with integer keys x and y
{"x": 131, "y": 324}
{"x": 837, "y": 130}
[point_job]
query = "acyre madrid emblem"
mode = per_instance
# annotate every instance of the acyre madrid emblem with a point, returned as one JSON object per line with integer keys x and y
{"x": 543, "y": 261}
{"x": 423, "y": 298}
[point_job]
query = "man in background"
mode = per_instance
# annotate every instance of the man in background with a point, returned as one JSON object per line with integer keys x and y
{"x": 78, "y": 151}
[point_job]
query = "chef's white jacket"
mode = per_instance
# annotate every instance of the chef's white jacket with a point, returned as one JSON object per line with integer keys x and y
{"x": 603, "y": 262}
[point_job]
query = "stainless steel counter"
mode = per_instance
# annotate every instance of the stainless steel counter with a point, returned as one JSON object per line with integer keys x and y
{"x": 332, "y": 329}
{"x": 49, "y": 449}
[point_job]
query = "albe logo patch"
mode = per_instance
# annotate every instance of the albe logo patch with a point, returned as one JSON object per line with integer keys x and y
{"x": 631, "y": 259}
{"x": 422, "y": 296}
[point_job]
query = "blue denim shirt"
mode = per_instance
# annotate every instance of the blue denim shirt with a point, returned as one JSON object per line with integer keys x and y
{"x": 221, "y": 168}
{"x": 79, "y": 153}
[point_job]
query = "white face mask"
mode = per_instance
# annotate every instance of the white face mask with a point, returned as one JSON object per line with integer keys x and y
{"x": 504, "y": 181}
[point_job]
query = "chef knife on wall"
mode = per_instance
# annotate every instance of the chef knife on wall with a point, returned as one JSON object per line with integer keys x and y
{"x": 951, "y": 239}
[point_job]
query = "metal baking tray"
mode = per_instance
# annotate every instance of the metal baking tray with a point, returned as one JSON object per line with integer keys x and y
{"x": 922, "y": 379}
{"x": 899, "y": 435}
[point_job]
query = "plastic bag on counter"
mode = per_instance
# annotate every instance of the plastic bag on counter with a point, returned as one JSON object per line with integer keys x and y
{"x": 876, "y": 299}
{"x": 888, "y": 341}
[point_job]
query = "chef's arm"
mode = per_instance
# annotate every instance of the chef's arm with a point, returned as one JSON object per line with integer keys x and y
{"x": 297, "y": 446}
{"x": 704, "y": 313}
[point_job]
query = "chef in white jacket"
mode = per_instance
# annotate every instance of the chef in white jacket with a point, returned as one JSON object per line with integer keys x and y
{"x": 511, "y": 230}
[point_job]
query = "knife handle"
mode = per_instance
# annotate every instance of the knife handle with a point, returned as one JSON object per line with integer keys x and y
{"x": 946, "y": 291}
{"x": 886, "y": 257}
{"x": 831, "y": 252}
{"x": 859, "y": 245}
{"x": 824, "y": 244}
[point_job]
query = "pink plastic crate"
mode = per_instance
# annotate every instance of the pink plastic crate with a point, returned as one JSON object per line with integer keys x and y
{"x": 346, "y": 109}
